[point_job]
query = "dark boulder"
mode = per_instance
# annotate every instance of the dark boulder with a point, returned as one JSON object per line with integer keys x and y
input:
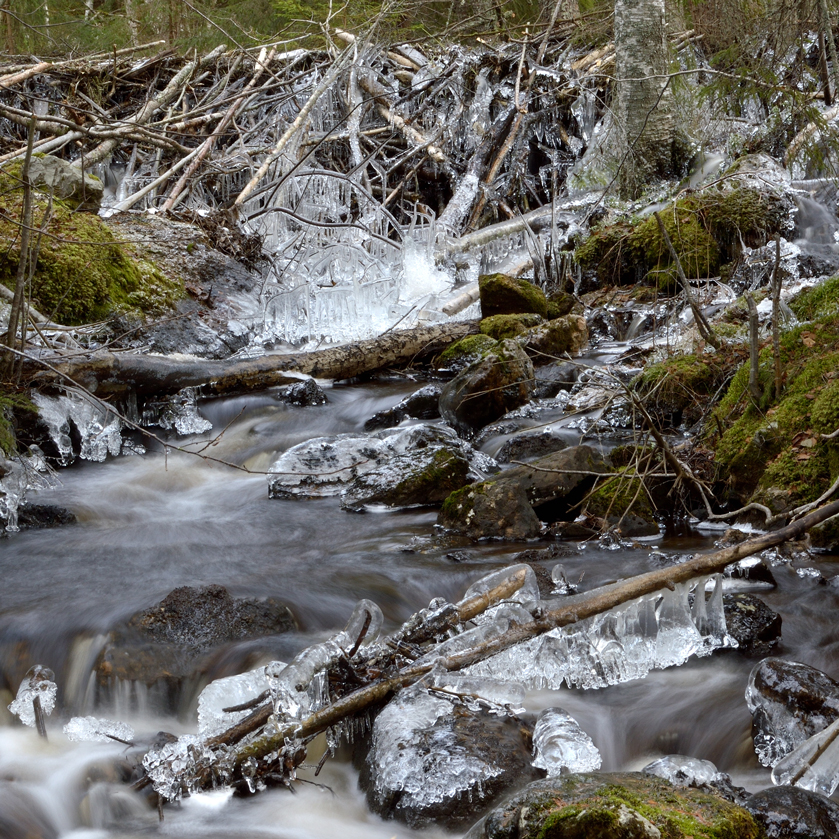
{"x": 31, "y": 516}
{"x": 531, "y": 444}
{"x": 505, "y": 295}
{"x": 302, "y": 394}
{"x": 626, "y": 805}
{"x": 434, "y": 762}
{"x": 558, "y": 337}
{"x": 552, "y": 378}
{"x": 173, "y": 640}
{"x": 490, "y": 510}
{"x": 421, "y": 404}
{"x": 794, "y": 813}
{"x": 752, "y": 624}
{"x": 486, "y": 390}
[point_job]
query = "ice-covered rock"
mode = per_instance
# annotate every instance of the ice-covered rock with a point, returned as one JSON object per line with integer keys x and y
{"x": 93, "y": 730}
{"x": 432, "y": 760}
{"x": 790, "y": 702}
{"x": 38, "y": 684}
{"x": 421, "y": 404}
{"x": 179, "y": 413}
{"x": 793, "y": 813}
{"x": 561, "y": 745}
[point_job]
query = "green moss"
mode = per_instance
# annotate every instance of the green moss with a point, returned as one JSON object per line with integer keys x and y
{"x": 706, "y": 229}
{"x": 819, "y": 302}
{"x": 505, "y": 295}
{"x": 619, "y": 495}
{"x": 10, "y": 405}
{"x": 508, "y": 326}
{"x": 465, "y": 351}
{"x": 82, "y": 273}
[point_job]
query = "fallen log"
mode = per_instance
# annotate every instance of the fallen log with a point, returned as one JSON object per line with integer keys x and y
{"x": 119, "y": 374}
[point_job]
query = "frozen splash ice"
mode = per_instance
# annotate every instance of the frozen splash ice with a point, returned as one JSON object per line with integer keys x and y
{"x": 178, "y": 412}
{"x": 93, "y": 730}
{"x": 625, "y": 643}
{"x": 682, "y": 770}
{"x": 38, "y": 683}
{"x": 559, "y": 743}
{"x": 231, "y": 692}
{"x": 174, "y": 768}
{"x": 814, "y": 764}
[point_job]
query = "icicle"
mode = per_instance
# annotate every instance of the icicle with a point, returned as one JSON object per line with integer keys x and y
{"x": 560, "y": 744}
{"x": 814, "y": 765}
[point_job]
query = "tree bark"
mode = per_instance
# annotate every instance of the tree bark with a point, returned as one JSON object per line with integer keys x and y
{"x": 117, "y": 375}
{"x": 643, "y": 111}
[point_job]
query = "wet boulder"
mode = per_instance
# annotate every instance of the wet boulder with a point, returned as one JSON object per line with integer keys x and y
{"x": 553, "y": 378}
{"x": 505, "y": 295}
{"x": 301, "y": 394}
{"x": 172, "y": 640}
{"x": 561, "y": 303}
{"x": 787, "y": 812}
{"x": 417, "y": 478}
{"x": 490, "y": 511}
{"x": 421, "y": 404}
{"x": 459, "y": 355}
{"x": 486, "y": 390}
{"x": 626, "y": 805}
{"x": 434, "y": 762}
{"x": 790, "y": 702}
{"x": 509, "y": 326}
{"x": 530, "y": 445}
{"x": 752, "y": 624}
{"x": 510, "y": 505}
{"x": 54, "y": 176}
{"x": 558, "y": 337}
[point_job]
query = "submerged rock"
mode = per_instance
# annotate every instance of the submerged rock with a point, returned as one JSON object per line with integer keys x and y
{"x": 486, "y": 390}
{"x": 790, "y": 702}
{"x": 170, "y": 641}
{"x": 505, "y": 295}
{"x": 432, "y": 762}
{"x": 626, "y": 805}
{"x": 792, "y": 813}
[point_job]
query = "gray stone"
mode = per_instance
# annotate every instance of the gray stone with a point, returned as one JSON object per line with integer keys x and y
{"x": 754, "y": 626}
{"x": 490, "y": 510}
{"x": 793, "y": 813}
{"x": 65, "y": 181}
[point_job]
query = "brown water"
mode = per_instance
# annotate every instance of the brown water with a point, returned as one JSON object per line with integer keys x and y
{"x": 149, "y": 524}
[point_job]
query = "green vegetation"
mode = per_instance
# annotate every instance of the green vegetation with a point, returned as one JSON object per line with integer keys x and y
{"x": 462, "y": 353}
{"x": 508, "y": 326}
{"x": 83, "y": 273}
{"x": 11, "y": 404}
{"x": 706, "y": 229}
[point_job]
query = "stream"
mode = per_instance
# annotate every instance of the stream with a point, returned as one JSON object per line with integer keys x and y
{"x": 148, "y": 524}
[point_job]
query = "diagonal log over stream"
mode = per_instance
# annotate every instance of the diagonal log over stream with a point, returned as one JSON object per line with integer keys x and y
{"x": 573, "y": 609}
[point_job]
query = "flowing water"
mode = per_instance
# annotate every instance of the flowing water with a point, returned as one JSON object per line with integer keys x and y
{"x": 148, "y": 524}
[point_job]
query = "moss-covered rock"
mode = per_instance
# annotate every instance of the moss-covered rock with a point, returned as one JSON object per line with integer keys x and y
{"x": 505, "y": 295}
{"x": 464, "y": 352}
{"x": 706, "y": 229}
{"x": 558, "y": 337}
{"x": 819, "y": 302}
{"x": 623, "y": 501}
{"x": 508, "y": 326}
{"x": 627, "y": 805}
{"x": 417, "y": 478}
{"x": 83, "y": 272}
{"x": 500, "y": 381}
{"x": 561, "y": 303}
{"x": 490, "y": 511}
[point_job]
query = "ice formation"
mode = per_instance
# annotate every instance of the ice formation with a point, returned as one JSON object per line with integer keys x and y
{"x": 424, "y": 764}
{"x": 100, "y": 430}
{"x": 93, "y": 730}
{"x": 653, "y": 632}
{"x": 174, "y": 768}
{"x": 814, "y": 764}
{"x": 559, "y": 743}
{"x": 38, "y": 683}
{"x": 231, "y": 692}
{"x": 683, "y": 771}
{"x": 178, "y": 412}
{"x": 22, "y": 473}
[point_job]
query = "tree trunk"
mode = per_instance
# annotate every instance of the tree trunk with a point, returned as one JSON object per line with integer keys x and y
{"x": 118, "y": 375}
{"x": 643, "y": 109}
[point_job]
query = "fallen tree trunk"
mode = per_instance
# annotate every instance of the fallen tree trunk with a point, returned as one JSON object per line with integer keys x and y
{"x": 118, "y": 374}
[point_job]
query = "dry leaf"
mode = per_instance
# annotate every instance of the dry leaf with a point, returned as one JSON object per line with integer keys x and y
{"x": 808, "y": 339}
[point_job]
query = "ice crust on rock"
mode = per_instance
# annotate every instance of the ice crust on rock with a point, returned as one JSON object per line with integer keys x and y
{"x": 37, "y": 683}
{"x": 93, "y": 730}
{"x": 178, "y": 412}
{"x": 813, "y": 765}
{"x": 230, "y": 692}
{"x": 324, "y": 466}
{"x": 559, "y": 743}
{"x": 652, "y": 632}
{"x": 404, "y": 765}
{"x": 683, "y": 771}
